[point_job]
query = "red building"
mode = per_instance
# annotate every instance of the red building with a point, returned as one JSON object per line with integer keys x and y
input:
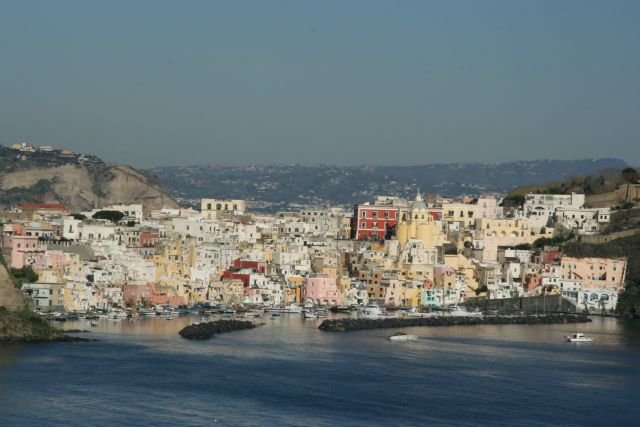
{"x": 149, "y": 237}
{"x": 374, "y": 222}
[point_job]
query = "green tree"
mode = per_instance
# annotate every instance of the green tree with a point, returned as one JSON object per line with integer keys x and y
{"x": 113, "y": 216}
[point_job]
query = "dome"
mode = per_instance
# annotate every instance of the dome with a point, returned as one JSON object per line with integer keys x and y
{"x": 418, "y": 204}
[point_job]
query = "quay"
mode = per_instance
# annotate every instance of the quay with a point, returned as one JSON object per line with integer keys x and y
{"x": 346, "y": 325}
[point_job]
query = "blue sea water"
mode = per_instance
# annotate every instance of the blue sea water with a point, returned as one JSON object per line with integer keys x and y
{"x": 287, "y": 372}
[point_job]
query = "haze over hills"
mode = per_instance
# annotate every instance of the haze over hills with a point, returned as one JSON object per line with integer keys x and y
{"x": 79, "y": 181}
{"x": 281, "y": 187}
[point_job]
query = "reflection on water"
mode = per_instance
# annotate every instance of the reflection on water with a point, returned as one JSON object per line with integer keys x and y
{"x": 287, "y": 372}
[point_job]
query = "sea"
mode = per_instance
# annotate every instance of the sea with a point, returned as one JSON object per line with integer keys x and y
{"x": 289, "y": 373}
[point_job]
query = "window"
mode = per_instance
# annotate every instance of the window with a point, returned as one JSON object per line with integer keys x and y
{"x": 375, "y": 215}
{"x": 363, "y": 225}
{"x": 386, "y": 215}
{"x": 364, "y": 214}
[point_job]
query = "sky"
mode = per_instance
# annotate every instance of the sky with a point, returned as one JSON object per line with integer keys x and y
{"x": 347, "y": 82}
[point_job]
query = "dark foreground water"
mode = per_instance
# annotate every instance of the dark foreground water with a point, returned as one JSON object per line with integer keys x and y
{"x": 290, "y": 373}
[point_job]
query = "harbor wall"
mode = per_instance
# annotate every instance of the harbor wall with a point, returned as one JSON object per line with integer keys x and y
{"x": 528, "y": 305}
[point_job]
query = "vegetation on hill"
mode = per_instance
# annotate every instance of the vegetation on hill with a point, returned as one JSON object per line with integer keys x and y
{"x": 601, "y": 182}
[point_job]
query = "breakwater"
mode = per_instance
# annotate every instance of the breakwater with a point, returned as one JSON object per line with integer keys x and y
{"x": 347, "y": 324}
{"x": 204, "y": 331}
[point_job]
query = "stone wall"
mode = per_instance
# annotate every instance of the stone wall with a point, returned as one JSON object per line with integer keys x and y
{"x": 529, "y": 305}
{"x": 599, "y": 239}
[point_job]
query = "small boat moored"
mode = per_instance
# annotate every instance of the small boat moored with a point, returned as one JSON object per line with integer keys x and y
{"x": 578, "y": 337}
{"x": 401, "y": 336}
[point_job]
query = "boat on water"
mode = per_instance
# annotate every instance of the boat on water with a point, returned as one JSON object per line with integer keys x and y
{"x": 227, "y": 312}
{"x": 275, "y": 315}
{"x": 401, "y": 336}
{"x": 292, "y": 308}
{"x": 309, "y": 315}
{"x": 251, "y": 314}
{"x": 93, "y": 323}
{"x": 322, "y": 313}
{"x": 372, "y": 310}
{"x": 456, "y": 310}
{"x": 578, "y": 337}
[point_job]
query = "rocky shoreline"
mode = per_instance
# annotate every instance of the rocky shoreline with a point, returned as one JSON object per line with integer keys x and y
{"x": 205, "y": 331}
{"x": 23, "y": 326}
{"x": 348, "y": 324}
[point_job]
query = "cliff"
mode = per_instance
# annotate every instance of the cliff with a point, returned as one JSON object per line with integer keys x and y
{"x": 81, "y": 182}
{"x": 17, "y": 322}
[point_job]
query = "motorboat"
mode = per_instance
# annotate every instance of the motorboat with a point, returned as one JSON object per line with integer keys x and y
{"x": 252, "y": 314}
{"x": 578, "y": 337}
{"x": 401, "y": 336}
{"x": 322, "y": 313}
{"x": 292, "y": 308}
{"x": 227, "y": 312}
{"x": 372, "y": 310}
{"x": 461, "y": 311}
{"x": 309, "y": 315}
{"x": 275, "y": 315}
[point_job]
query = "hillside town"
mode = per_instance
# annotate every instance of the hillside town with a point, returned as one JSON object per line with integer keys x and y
{"x": 427, "y": 254}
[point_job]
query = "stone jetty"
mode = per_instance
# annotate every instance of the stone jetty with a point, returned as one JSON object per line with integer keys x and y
{"x": 348, "y": 324}
{"x": 204, "y": 331}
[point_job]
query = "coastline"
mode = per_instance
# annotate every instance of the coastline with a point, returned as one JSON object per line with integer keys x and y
{"x": 23, "y": 326}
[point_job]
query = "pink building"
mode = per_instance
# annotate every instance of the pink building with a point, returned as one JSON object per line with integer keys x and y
{"x": 136, "y": 293}
{"x": 594, "y": 272}
{"x": 321, "y": 289}
{"x": 22, "y": 250}
{"x": 50, "y": 260}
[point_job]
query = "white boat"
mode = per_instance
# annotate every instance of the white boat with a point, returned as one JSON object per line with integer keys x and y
{"x": 252, "y": 314}
{"x": 401, "y": 336}
{"x": 578, "y": 337}
{"x": 455, "y": 310}
{"x": 292, "y": 308}
{"x": 309, "y": 315}
{"x": 227, "y": 312}
{"x": 372, "y": 310}
{"x": 322, "y": 313}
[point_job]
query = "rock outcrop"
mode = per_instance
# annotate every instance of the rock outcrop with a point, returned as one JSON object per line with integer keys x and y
{"x": 81, "y": 186}
{"x": 204, "y": 331}
{"x": 18, "y": 323}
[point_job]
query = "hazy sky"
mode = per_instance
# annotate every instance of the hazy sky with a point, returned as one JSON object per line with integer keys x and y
{"x": 347, "y": 82}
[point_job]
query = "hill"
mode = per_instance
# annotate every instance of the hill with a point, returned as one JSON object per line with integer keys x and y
{"x": 601, "y": 188}
{"x": 281, "y": 187}
{"x": 79, "y": 181}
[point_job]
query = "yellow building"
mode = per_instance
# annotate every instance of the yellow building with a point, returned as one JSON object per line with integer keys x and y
{"x": 463, "y": 266}
{"x": 174, "y": 261}
{"x": 293, "y": 289}
{"x": 419, "y": 225}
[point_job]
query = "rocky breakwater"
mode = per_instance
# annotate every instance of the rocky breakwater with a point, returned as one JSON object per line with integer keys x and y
{"x": 204, "y": 331}
{"x": 348, "y": 324}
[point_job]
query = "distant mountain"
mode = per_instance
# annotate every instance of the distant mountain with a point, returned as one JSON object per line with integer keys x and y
{"x": 79, "y": 181}
{"x": 280, "y": 187}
